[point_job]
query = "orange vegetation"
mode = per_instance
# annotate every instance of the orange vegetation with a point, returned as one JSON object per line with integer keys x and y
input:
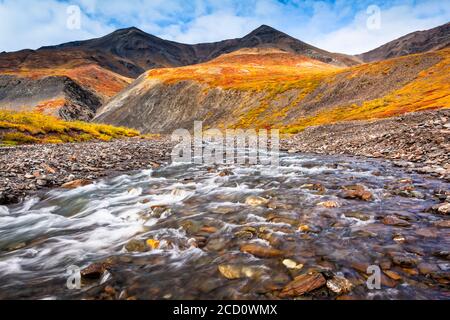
{"x": 430, "y": 90}
{"x": 50, "y": 106}
{"x": 104, "y": 82}
{"x": 274, "y": 72}
{"x": 248, "y": 69}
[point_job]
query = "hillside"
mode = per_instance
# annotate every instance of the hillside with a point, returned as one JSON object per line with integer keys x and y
{"x": 44, "y": 80}
{"x": 33, "y": 127}
{"x": 272, "y": 88}
{"x": 416, "y": 42}
{"x": 64, "y": 84}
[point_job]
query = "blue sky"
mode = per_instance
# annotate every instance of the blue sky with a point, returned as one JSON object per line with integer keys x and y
{"x": 334, "y": 25}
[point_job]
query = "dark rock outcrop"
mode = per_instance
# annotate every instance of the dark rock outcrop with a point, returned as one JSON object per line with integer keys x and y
{"x": 56, "y": 95}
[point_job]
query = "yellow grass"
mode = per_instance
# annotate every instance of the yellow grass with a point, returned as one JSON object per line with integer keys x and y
{"x": 34, "y": 127}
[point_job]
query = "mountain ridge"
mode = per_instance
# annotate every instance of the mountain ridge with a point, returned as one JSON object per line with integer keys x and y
{"x": 154, "y": 52}
{"x": 106, "y": 66}
{"x": 277, "y": 89}
{"x": 415, "y": 42}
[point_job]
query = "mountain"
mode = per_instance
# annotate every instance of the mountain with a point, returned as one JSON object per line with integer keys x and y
{"x": 140, "y": 51}
{"x": 103, "y": 67}
{"x": 416, "y": 42}
{"x": 272, "y": 88}
{"x": 70, "y": 84}
{"x": 73, "y": 80}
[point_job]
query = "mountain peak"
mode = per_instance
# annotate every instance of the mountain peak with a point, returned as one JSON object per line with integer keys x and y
{"x": 264, "y": 29}
{"x": 128, "y": 30}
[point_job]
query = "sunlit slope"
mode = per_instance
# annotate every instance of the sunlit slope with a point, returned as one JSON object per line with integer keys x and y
{"x": 64, "y": 84}
{"x": 267, "y": 88}
{"x": 33, "y": 127}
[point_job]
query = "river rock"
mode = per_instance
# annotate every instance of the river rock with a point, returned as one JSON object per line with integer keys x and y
{"x": 291, "y": 264}
{"x": 95, "y": 270}
{"x": 303, "y": 284}
{"x": 234, "y": 271}
{"x": 443, "y": 208}
{"x": 136, "y": 246}
{"x": 217, "y": 244}
{"x": 329, "y": 204}
{"x": 356, "y": 192}
{"x": 399, "y": 238}
{"x": 255, "y": 201}
{"x": 314, "y": 187}
{"x": 245, "y": 235}
{"x": 260, "y": 251}
{"x": 339, "y": 285}
{"x": 427, "y": 232}
{"x": 395, "y": 221}
{"x": 303, "y": 228}
{"x": 209, "y": 229}
{"x": 442, "y": 224}
{"x": 427, "y": 268}
{"x": 76, "y": 184}
{"x": 403, "y": 260}
{"x": 392, "y": 274}
{"x": 358, "y": 215}
{"x": 444, "y": 254}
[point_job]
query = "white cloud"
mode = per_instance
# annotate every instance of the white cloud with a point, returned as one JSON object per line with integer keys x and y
{"x": 23, "y": 25}
{"x": 395, "y": 22}
{"x": 335, "y": 26}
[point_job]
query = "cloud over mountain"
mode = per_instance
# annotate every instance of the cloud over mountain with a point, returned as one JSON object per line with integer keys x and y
{"x": 338, "y": 26}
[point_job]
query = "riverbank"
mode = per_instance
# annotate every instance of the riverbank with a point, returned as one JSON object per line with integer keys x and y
{"x": 418, "y": 142}
{"x": 27, "y": 169}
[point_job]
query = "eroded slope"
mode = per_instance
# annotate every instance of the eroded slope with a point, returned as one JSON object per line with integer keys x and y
{"x": 271, "y": 88}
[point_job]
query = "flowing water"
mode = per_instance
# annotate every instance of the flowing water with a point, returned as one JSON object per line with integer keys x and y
{"x": 200, "y": 217}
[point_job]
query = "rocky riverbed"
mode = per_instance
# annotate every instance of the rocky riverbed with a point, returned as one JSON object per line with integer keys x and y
{"x": 25, "y": 170}
{"x": 310, "y": 230}
{"x": 139, "y": 227}
{"x": 416, "y": 141}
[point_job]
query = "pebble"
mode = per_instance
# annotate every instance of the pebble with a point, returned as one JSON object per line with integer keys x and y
{"x": 232, "y": 271}
{"x": 136, "y": 246}
{"x": 395, "y": 221}
{"x": 329, "y": 204}
{"x": 303, "y": 284}
{"x": 359, "y": 192}
{"x": 339, "y": 285}
{"x": 255, "y": 201}
{"x": 392, "y": 274}
{"x": 291, "y": 264}
{"x": 443, "y": 208}
{"x": 260, "y": 251}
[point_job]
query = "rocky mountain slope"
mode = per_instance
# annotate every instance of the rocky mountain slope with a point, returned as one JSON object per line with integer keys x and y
{"x": 416, "y": 42}
{"x": 66, "y": 84}
{"x": 55, "y": 95}
{"x": 105, "y": 66}
{"x": 140, "y": 51}
{"x": 227, "y": 83}
{"x": 272, "y": 88}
